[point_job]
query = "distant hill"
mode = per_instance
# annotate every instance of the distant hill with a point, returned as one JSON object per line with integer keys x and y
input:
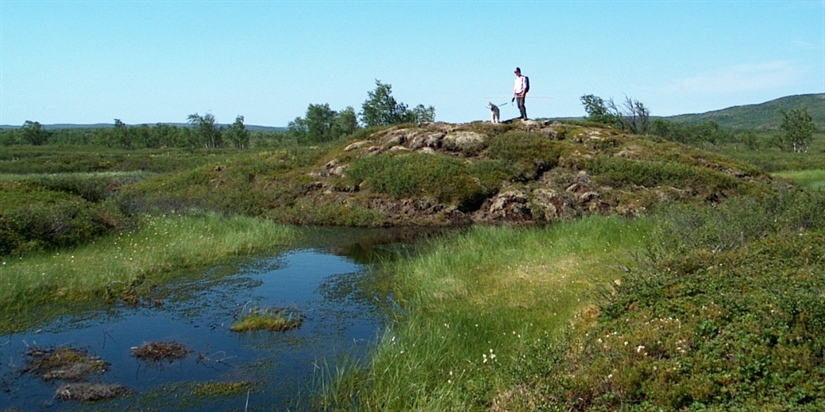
{"x": 763, "y": 116}
{"x": 252, "y": 128}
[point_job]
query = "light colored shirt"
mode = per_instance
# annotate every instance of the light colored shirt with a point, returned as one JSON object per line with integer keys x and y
{"x": 519, "y": 85}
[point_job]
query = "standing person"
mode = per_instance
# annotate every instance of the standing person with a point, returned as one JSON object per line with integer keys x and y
{"x": 521, "y": 86}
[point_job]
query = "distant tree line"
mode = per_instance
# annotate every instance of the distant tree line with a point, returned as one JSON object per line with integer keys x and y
{"x": 203, "y": 133}
{"x": 320, "y": 124}
{"x": 632, "y": 116}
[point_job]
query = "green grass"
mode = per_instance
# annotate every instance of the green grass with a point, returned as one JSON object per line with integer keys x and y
{"x": 121, "y": 265}
{"x": 277, "y": 320}
{"x": 814, "y": 179}
{"x": 471, "y": 305}
{"x": 213, "y": 389}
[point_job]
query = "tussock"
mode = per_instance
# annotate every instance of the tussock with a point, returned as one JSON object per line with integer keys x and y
{"x": 159, "y": 351}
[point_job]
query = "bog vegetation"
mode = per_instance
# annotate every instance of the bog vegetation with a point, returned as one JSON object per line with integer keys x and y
{"x": 681, "y": 268}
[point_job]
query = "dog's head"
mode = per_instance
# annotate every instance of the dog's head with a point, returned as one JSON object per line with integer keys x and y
{"x": 490, "y": 105}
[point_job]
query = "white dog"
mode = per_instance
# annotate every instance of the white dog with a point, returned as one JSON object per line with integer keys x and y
{"x": 493, "y": 108}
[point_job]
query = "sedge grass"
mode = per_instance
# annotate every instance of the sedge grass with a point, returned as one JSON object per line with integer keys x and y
{"x": 160, "y": 249}
{"x": 471, "y": 306}
{"x": 276, "y": 320}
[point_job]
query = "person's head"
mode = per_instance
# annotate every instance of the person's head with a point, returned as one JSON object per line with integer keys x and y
{"x": 517, "y": 71}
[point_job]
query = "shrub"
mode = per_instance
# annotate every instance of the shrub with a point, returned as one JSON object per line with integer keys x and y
{"x": 528, "y": 154}
{"x": 491, "y": 173}
{"x": 616, "y": 171}
{"x": 414, "y": 174}
{"x": 34, "y": 220}
{"x": 94, "y": 187}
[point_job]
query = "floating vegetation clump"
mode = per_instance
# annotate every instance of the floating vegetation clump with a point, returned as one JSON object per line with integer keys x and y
{"x": 65, "y": 363}
{"x": 90, "y": 392}
{"x": 278, "y": 320}
{"x": 159, "y": 351}
{"x": 221, "y": 388}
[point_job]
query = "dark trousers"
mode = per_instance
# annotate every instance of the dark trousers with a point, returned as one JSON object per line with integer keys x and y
{"x": 522, "y": 110}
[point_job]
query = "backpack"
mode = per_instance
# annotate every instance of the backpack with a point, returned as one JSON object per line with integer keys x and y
{"x": 526, "y": 84}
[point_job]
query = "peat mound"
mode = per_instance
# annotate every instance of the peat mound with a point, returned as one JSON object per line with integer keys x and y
{"x": 66, "y": 363}
{"x": 159, "y": 351}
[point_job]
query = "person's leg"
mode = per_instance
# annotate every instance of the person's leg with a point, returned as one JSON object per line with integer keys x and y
{"x": 521, "y": 108}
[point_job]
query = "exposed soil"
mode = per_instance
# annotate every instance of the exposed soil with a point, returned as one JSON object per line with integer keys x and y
{"x": 159, "y": 351}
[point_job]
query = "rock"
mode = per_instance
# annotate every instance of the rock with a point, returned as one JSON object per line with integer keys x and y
{"x": 599, "y": 207}
{"x": 317, "y": 185}
{"x": 356, "y": 145}
{"x": 531, "y": 125}
{"x": 396, "y": 149}
{"x": 430, "y": 140}
{"x": 556, "y": 205}
{"x": 396, "y": 138}
{"x": 464, "y": 142}
{"x": 576, "y": 188}
{"x": 510, "y": 205}
{"x": 333, "y": 168}
{"x": 588, "y": 196}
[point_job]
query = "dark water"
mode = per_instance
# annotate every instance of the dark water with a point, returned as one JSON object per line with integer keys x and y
{"x": 282, "y": 366}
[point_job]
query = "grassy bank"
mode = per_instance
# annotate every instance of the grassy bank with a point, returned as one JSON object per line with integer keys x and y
{"x": 122, "y": 266}
{"x": 471, "y": 306}
{"x": 693, "y": 308}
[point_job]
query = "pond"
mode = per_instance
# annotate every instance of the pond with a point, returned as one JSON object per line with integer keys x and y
{"x": 223, "y": 370}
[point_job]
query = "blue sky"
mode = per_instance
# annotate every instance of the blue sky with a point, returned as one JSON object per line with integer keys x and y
{"x": 66, "y": 61}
